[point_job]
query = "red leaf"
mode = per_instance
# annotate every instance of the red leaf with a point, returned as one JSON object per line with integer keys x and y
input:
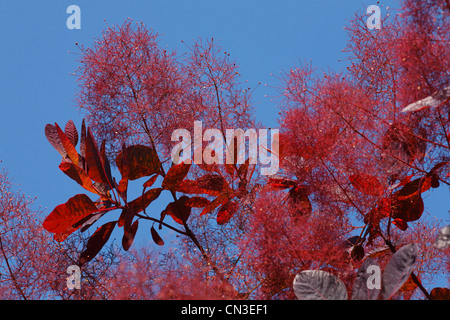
{"x": 401, "y": 224}
{"x": 407, "y": 209}
{"x": 106, "y": 165}
{"x": 83, "y": 140}
{"x": 51, "y": 133}
{"x": 128, "y": 235}
{"x": 405, "y": 181}
{"x": 400, "y": 141}
{"x": 411, "y": 189}
{"x": 169, "y": 211}
{"x": 197, "y": 202}
{"x": 367, "y": 184}
{"x": 221, "y": 199}
{"x": 209, "y": 167}
{"x": 357, "y": 253}
{"x": 191, "y": 187}
{"x": 68, "y": 146}
{"x": 125, "y": 218}
{"x": 175, "y": 175}
{"x": 96, "y": 242}
{"x": 150, "y": 181}
{"x": 141, "y": 161}
{"x": 156, "y": 238}
{"x": 122, "y": 164}
{"x": 226, "y": 212}
{"x": 142, "y": 202}
{"x": 440, "y": 294}
{"x": 71, "y": 132}
{"x": 79, "y": 175}
{"x": 435, "y": 181}
{"x": 61, "y": 220}
{"x": 94, "y": 163}
{"x": 212, "y": 181}
{"x": 89, "y": 220}
{"x": 178, "y": 210}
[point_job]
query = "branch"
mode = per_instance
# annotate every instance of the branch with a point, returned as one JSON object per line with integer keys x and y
{"x": 14, "y": 280}
{"x": 162, "y": 223}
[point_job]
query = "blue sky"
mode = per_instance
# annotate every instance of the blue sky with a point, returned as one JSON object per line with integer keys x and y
{"x": 38, "y": 54}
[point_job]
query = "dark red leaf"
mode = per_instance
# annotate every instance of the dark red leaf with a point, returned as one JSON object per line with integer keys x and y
{"x": 106, "y": 164}
{"x": 367, "y": 184}
{"x": 175, "y": 175}
{"x": 94, "y": 162}
{"x": 401, "y": 224}
{"x": 156, "y": 238}
{"x": 144, "y": 201}
{"x": 197, "y": 202}
{"x": 128, "y": 235}
{"x": 178, "y": 210}
{"x": 400, "y": 141}
{"x": 221, "y": 199}
{"x": 150, "y": 181}
{"x": 374, "y": 232}
{"x": 412, "y": 188}
{"x": 408, "y": 208}
{"x": 141, "y": 161}
{"x": 357, "y": 253}
{"x": 212, "y": 181}
{"x": 126, "y": 216}
{"x": 350, "y": 242}
{"x": 89, "y": 220}
{"x": 433, "y": 175}
{"x": 83, "y": 140}
{"x": 440, "y": 294}
{"x": 169, "y": 211}
{"x": 191, "y": 187}
{"x": 122, "y": 164}
{"x": 435, "y": 181}
{"x": 96, "y": 242}
{"x": 226, "y": 212}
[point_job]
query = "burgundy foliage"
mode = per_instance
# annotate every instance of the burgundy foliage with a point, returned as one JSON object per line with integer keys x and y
{"x": 355, "y": 170}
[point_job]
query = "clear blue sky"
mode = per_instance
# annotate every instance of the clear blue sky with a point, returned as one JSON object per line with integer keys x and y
{"x": 35, "y": 64}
